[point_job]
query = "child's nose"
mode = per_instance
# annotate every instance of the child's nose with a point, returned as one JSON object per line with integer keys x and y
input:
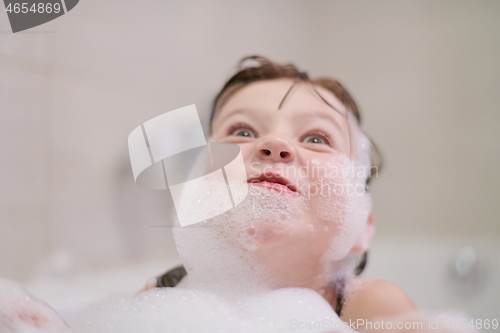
{"x": 275, "y": 149}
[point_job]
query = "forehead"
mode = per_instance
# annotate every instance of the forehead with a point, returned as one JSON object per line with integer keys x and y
{"x": 273, "y": 91}
{"x": 267, "y": 95}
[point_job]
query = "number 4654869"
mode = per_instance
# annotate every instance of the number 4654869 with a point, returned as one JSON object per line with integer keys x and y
{"x": 35, "y": 8}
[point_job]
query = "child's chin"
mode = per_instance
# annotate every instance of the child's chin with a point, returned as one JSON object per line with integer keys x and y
{"x": 283, "y": 237}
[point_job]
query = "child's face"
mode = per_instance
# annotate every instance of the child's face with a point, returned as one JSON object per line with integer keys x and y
{"x": 305, "y": 127}
{"x": 304, "y": 132}
{"x": 285, "y": 151}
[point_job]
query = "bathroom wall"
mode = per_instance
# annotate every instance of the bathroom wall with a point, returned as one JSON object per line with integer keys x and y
{"x": 425, "y": 74}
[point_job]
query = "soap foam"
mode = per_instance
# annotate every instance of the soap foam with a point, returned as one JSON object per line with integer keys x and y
{"x": 345, "y": 204}
{"x": 180, "y": 310}
{"x": 221, "y": 254}
{"x": 344, "y": 199}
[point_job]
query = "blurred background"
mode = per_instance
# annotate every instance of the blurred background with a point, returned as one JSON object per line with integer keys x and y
{"x": 75, "y": 228}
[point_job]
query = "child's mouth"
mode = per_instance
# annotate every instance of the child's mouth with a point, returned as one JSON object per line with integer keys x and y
{"x": 275, "y": 186}
{"x": 274, "y": 182}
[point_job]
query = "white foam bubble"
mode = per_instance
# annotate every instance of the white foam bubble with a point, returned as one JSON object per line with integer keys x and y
{"x": 344, "y": 199}
{"x": 181, "y": 310}
{"x": 344, "y": 205}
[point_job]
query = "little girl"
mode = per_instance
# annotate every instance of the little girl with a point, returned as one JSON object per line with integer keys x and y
{"x": 303, "y": 147}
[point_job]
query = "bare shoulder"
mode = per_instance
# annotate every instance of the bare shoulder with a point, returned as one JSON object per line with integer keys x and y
{"x": 372, "y": 298}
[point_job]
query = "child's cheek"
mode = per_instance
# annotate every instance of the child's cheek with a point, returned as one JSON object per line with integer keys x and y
{"x": 252, "y": 166}
{"x": 341, "y": 207}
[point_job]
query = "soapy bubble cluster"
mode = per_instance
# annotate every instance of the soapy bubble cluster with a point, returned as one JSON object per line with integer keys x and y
{"x": 219, "y": 253}
{"x": 347, "y": 211}
{"x": 180, "y": 310}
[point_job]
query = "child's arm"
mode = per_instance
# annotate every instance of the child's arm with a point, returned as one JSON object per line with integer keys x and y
{"x": 372, "y": 300}
{"x": 22, "y": 312}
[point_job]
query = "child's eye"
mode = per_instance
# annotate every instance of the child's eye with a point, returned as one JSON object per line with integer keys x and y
{"x": 317, "y": 137}
{"x": 241, "y": 130}
{"x": 244, "y": 133}
{"x": 313, "y": 139}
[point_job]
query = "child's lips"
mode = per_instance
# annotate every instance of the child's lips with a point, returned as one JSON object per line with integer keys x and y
{"x": 275, "y": 186}
{"x": 274, "y": 181}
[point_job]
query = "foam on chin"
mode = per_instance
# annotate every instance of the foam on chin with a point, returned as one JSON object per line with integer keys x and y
{"x": 274, "y": 240}
{"x": 220, "y": 254}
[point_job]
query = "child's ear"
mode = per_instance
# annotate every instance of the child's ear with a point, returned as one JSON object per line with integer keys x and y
{"x": 365, "y": 238}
